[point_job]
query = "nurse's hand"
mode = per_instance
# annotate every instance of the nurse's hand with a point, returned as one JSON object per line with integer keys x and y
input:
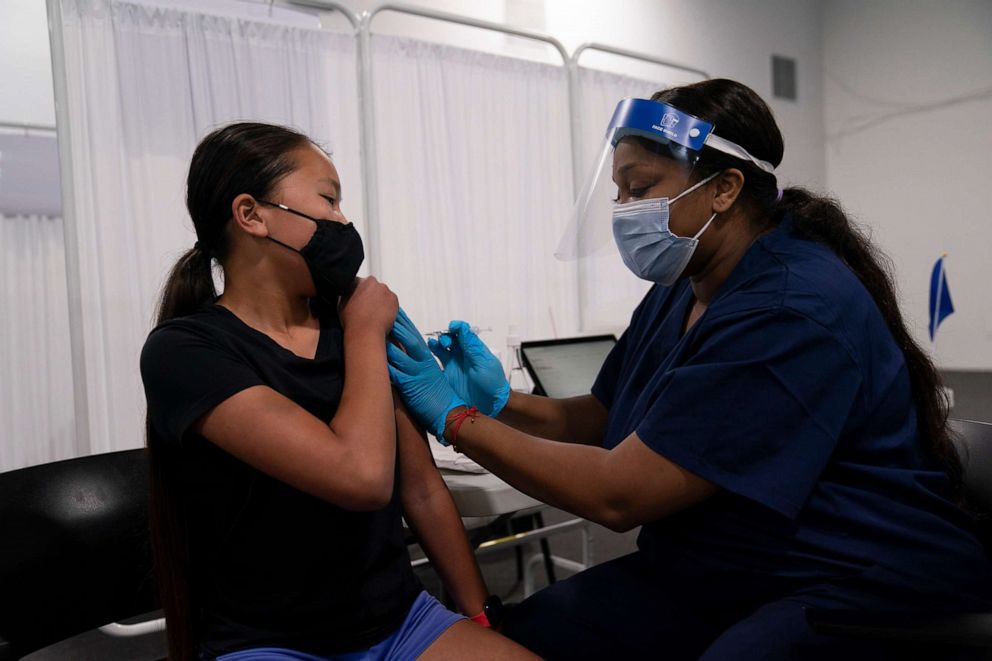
{"x": 471, "y": 368}
{"x": 418, "y": 378}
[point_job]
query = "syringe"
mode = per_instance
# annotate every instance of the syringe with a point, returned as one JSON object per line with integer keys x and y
{"x": 474, "y": 329}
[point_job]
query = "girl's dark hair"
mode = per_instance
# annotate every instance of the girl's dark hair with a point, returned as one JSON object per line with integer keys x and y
{"x": 742, "y": 117}
{"x": 240, "y": 158}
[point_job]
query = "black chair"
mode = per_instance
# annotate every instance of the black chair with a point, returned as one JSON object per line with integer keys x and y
{"x": 74, "y": 549}
{"x": 933, "y": 635}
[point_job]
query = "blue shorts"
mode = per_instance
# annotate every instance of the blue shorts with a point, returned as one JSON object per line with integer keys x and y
{"x": 426, "y": 620}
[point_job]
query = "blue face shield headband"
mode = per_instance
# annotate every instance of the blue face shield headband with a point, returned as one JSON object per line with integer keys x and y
{"x": 683, "y": 134}
{"x": 680, "y": 138}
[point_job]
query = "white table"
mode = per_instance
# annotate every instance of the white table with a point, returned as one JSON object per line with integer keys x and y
{"x": 485, "y": 495}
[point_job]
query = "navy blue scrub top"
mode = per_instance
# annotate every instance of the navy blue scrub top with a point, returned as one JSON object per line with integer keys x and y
{"x": 791, "y": 395}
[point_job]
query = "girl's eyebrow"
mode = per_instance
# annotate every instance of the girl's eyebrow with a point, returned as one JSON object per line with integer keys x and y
{"x": 335, "y": 184}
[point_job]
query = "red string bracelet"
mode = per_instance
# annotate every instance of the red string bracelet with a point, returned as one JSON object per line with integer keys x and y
{"x": 457, "y": 422}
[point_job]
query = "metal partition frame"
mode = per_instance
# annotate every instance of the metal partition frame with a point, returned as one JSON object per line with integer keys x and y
{"x": 28, "y": 130}
{"x": 324, "y": 5}
{"x": 368, "y": 102}
{"x": 575, "y": 101}
{"x": 69, "y": 229}
{"x": 634, "y": 55}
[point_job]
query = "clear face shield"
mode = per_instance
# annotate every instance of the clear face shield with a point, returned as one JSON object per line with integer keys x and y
{"x": 648, "y": 145}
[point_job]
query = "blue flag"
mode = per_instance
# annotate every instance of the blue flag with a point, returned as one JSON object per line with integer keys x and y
{"x": 940, "y": 297}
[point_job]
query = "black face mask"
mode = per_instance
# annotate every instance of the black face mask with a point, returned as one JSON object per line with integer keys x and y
{"x": 333, "y": 254}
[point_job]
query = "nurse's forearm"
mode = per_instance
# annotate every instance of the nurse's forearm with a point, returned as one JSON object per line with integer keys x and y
{"x": 574, "y": 420}
{"x": 570, "y": 476}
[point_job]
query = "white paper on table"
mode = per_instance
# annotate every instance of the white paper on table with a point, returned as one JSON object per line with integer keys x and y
{"x": 446, "y": 457}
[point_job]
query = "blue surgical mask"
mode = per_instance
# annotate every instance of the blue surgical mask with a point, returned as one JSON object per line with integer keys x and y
{"x": 648, "y": 247}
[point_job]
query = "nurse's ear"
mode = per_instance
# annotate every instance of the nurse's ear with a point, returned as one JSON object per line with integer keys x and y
{"x": 244, "y": 213}
{"x": 728, "y": 185}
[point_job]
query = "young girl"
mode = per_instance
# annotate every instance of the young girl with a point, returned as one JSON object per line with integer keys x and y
{"x": 280, "y": 463}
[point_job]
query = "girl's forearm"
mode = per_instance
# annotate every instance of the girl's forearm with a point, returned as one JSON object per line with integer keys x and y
{"x": 439, "y": 529}
{"x": 365, "y": 414}
{"x": 430, "y": 512}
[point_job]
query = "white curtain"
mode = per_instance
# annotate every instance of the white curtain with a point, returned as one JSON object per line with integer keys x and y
{"x": 474, "y": 172}
{"x": 608, "y": 290}
{"x": 475, "y": 185}
{"x": 145, "y": 84}
{"x": 36, "y": 404}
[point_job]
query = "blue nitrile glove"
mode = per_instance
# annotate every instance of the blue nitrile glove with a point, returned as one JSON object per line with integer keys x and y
{"x": 471, "y": 368}
{"x": 418, "y": 378}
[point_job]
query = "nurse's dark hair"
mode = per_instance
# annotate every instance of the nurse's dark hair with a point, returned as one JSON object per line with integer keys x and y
{"x": 239, "y": 158}
{"x": 742, "y": 117}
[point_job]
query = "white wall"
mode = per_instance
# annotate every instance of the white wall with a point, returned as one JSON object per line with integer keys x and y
{"x": 919, "y": 176}
{"x": 726, "y": 39}
{"x": 29, "y": 176}
{"x": 25, "y": 66}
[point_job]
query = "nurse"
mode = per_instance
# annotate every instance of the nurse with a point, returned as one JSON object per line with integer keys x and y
{"x": 766, "y": 418}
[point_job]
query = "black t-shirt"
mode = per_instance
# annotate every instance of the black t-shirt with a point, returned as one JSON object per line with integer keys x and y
{"x": 272, "y": 565}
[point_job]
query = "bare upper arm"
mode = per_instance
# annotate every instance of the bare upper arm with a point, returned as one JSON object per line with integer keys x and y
{"x": 280, "y": 438}
{"x": 646, "y": 486}
{"x": 419, "y": 476}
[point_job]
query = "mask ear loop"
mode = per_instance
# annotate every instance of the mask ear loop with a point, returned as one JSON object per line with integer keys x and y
{"x": 293, "y": 211}
{"x": 689, "y": 190}
{"x": 285, "y": 245}
{"x": 700, "y": 232}
{"x": 692, "y": 188}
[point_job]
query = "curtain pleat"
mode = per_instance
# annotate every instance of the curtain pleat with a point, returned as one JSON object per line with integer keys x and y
{"x": 475, "y": 185}
{"x": 145, "y": 84}
{"x": 36, "y": 402}
{"x": 609, "y": 291}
